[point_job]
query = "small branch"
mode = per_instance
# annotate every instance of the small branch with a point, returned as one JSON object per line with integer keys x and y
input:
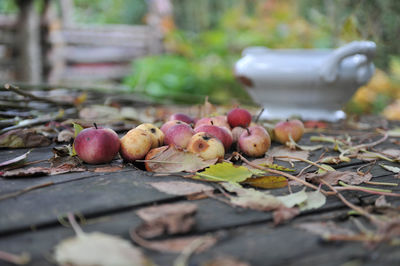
{"x": 22, "y": 259}
{"x": 17, "y": 90}
{"x": 25, "y": 190}
{"x": 289, "y": 176}
{"x": 359, "y": 210}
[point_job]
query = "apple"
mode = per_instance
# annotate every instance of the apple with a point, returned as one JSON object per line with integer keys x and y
{"x": 182, "y": 117}
{"x": 221, "y": 133}
{"x": 236, "y": 132}
{"x": 214, "y": 121}
{"x": 97, "y": 145}
{"x": 255, "y": 141}
{"x": 179, "y": 135}
{"x": 135, "y": 145}
{"x": 283, "y": 129}
{"x": 157, "y": 136}
{"x": 206, "y": 146}
{"x": 171, "y": 123}
{"x": 239, "y": 117}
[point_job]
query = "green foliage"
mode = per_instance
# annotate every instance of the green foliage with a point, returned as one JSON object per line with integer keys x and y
{"x": 8, "y": 6}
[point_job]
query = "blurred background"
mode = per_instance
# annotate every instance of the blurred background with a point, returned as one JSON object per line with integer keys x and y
{"x": 182, "y": 50}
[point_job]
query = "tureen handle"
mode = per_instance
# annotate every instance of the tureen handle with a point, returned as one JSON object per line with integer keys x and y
{"x": 330, "y": 68}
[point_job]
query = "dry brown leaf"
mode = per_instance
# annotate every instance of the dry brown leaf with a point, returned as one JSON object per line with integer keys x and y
{"x": 181, "y": 188}
{"x": 173, "y": 160}
{"x": 65, "y": 135}
{"x": 333, "y": 177}
{"x": 23, "y": 138}
{"x": 41, "y": 171}
{"x": 282, "y": 151}
{"x": 108, "y": 169}
{"x": 283, "y": 214}
{"x": 175, "y": 245}
{"x": 381, "y": 202}
{"x": 166, "y": 219}
{"x": 16, "y": 160}
{"x": 325, "y": 228}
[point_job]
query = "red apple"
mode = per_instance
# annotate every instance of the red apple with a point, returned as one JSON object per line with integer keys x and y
{"x": 239, "y": 117}
{"x": 214, "y": 121}
{"x": 179, "y": 135}
{"x": 135, "y": 145}
{"x": 221, "y": 133}
{"x": 236, "y": 132}
{"x": 206, "y": 146}
{"x": 255, "y": 141}
{"x": 181, "y": 117}
{"x": 283, "y": 129}
{"x": 97, "y": 145}
{"x": 169, "y": 124}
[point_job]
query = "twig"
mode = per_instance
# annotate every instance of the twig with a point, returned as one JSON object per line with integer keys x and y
{"x": 182, "y": 259}
{"x": 304, "y": 160}
{"x": 17, "y": 90}
{"x": 291, "y": 177}
{"x": 25, "y": 190}
{"x": 359, "y": 210}
{"x": 24, "y": 258}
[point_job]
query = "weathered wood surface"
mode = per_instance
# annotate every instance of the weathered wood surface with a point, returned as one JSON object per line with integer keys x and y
{"x": 30, "y": 222}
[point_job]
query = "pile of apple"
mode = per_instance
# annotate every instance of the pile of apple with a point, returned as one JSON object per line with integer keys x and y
{"x": 208, "y": 137}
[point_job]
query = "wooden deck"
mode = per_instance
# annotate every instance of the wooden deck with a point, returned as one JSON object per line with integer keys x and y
{"x": 30, "y": 222}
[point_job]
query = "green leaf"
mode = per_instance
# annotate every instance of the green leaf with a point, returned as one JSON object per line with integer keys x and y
{"x": 225, "y": 172}
{"x": 77, "y": 128}
{"x": 326, "y": 169}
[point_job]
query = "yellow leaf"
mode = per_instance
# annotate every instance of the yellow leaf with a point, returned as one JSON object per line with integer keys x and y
{"x": 224, "y": 172}
{"x": 267, "y": 182}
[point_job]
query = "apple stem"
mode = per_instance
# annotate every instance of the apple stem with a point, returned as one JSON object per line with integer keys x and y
{"x": 259, "y": 115}
{"x": 248, "y": 130}
{"x": 212, "y": 123}
{"x": 95, "y": 125}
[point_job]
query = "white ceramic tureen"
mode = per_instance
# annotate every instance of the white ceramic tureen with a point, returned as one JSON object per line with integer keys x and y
{"x": 313, "y": 84}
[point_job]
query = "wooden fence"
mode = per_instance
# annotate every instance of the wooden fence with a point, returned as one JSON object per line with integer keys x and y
{"x": 57, "y": 51}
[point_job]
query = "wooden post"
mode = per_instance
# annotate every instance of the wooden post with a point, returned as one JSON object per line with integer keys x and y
{"x": 29, "y": 66}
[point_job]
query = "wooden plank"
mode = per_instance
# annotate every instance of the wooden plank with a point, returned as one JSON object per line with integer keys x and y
{"x": 89, "y": 73}
{"x": 82, "y": 54}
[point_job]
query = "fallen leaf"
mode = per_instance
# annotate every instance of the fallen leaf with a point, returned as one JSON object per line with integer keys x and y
{"x": 225, "y": 261}
{"x": 282, "y": 151}
{"x": 395, "y": 153}
{"x": 73, "y": 161}
{"x": 333, "y": 177}
{"x": 293, "y": 199}
{"x": 325, "y": 229}
{"x": 381, "y": 202}
{"x": 392, "y": 169}
{"x": 181, "y": 188}
{"x": 394, "y": 132}
{"x": 251, "y": 198}
{"x": 108, "y": 169}
{"x": 166, "y": 219}
{"x": 173, "y": 160}
{"x": 224, "y": 172}
{"x": 65, "y": 135}
{"x": 326, "y": 167}
{"x": 41, "y": 171}
{"x": 100, "y": 114}
{"x": 97, "y": 248}
{"x": 283, "y": 214}
{"x": 315, "y": 200}
{"x": 175, "y": 245}
{"x": 23, "y": 138}
{"x": 16, "y": 160}
{"x": 266, "y": 162}
{"x": 267, "y": 181}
